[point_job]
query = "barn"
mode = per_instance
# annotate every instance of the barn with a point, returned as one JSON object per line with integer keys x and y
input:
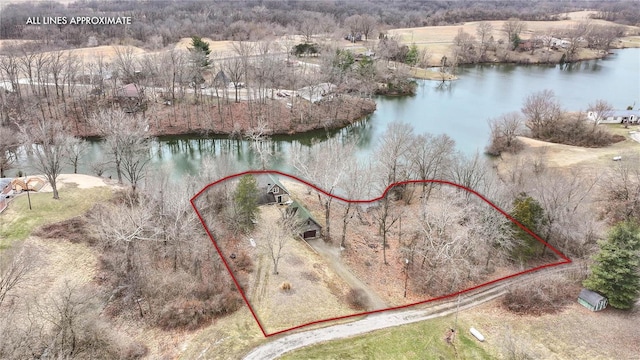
{"x": 309, "y": 227}
{"x": 592, "y": 300}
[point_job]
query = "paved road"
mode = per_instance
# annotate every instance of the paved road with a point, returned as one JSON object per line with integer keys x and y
{"x": 287, "y": 343}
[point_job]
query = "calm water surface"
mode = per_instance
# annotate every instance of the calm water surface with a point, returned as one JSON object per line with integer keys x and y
{"x": 460, "y": 109}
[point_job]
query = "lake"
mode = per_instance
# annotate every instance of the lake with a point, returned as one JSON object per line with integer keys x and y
{"x": 461, "y": 109}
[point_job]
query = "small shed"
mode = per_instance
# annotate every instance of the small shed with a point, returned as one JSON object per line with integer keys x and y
{"x": 592, "y": 300}
{"x": 309, "y": 227}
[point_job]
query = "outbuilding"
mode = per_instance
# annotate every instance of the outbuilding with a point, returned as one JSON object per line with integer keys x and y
{"x": 309, "y": 227}
{"x": 592, "y": 300}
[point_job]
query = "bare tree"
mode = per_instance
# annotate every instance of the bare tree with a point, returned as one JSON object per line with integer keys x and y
{"x": 429, "y": 158}
{"x": 442, "y": 257}
{"x": 469, "y": 172}
{"x": 621, "y": 189}
{"x": 368, "y": 25}
{"x": 504, "y": 132}
{"x": 135, "y": 158}
{"x": 124, "y": 226}
{"x": 48, "y": 141}
{"x": 602, "y": 36}
{"x": 386, "y": 215}
{"x": 354, "y": 23}
{"x": 513, "y": 28}
{"x": 15, "y": 264}
{"x": 278, "y": 236}
{"x": 308, "y": 27}
{"x": 8, "y": 145}
{"x": 235, "y": 69}
{"x": 466, "y": 45}
{"x": 77, "y": 149}
{"x": 484, "y": 32}
{"x": 576, "y": 39}
{"x": 565, "y": 199}
{"x": 355, "y": 186}
{"x": 393, "y": 152}
{"x": 125, "y": 64}
{"x": 261, "y": 143}
{"x": 174, "y": 63}
{"x": 541, "y": 109}
{"x": 126, "y": 138}
{"x": 601, "y": 110}
{"x": 64, "y": 311}
{"x": 324, "y": 164}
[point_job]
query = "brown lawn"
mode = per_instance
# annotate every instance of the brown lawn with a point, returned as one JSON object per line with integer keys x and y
{"x": 317, "y": 293}
{"x": 438, "y": 39}
{"x": 559, "y": 155}
{"x": 574, "y": 333}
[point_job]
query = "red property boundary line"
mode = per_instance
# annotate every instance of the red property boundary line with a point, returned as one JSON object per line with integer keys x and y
{"x": 565, "y": 259}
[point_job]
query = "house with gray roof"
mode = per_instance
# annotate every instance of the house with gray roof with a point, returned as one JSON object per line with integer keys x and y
{"x": 616, "y": 117}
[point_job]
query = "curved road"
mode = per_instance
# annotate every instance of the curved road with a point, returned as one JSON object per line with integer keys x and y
{"x": 282, "y": 345}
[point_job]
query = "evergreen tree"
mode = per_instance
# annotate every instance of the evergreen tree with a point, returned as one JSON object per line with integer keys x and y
{"x": 343, "y": 60}
{"x": 246, "y": 198}
{"x": 616, "y": 273}
{"x": 515, "y": 41}
{"x": 529, "y": 213}
{"x": 200, "y": 50}
{"x": 412, "y": 55}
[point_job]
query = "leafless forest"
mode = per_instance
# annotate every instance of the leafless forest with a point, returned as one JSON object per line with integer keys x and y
{"x": 155, "y": 267}
{"x": 256, "y": 20}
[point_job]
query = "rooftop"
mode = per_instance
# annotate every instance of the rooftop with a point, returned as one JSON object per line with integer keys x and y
{"x": 591, "y": 297}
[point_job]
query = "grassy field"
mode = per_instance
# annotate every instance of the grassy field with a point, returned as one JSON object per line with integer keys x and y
{"x": 229, "y": 337}
{"x": 422, "y": 340}
{"x": 439, "y": 39}
{"x": 564, "y": 156}
{"x": 574, "y": 333}
{"x": 17, "y": 221}
{"x": 316, "y": 294}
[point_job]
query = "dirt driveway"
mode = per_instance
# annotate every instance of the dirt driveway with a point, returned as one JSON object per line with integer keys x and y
{"x": 332, "y": 255}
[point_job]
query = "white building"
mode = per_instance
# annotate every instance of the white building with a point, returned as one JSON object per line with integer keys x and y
{"x": 617, "y": 117}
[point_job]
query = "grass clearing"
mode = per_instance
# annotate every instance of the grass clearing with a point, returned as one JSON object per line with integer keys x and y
{"x": 421, "y": 340}
{"x": 316, "y": 292}
{"x": 560, "y": 155}
{"x": 574, "y": 333}
{"x": 17, "y": 221}
{"x": 439, "y": 39}
{"x": 427, "y": 74}
{"x": 229, "y": 337}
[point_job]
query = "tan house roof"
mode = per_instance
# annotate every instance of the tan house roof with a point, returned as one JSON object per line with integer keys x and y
{"x": 129, "y": 91}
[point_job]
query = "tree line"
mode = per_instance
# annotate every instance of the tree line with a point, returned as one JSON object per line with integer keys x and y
{"x": 166, "y": 22}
